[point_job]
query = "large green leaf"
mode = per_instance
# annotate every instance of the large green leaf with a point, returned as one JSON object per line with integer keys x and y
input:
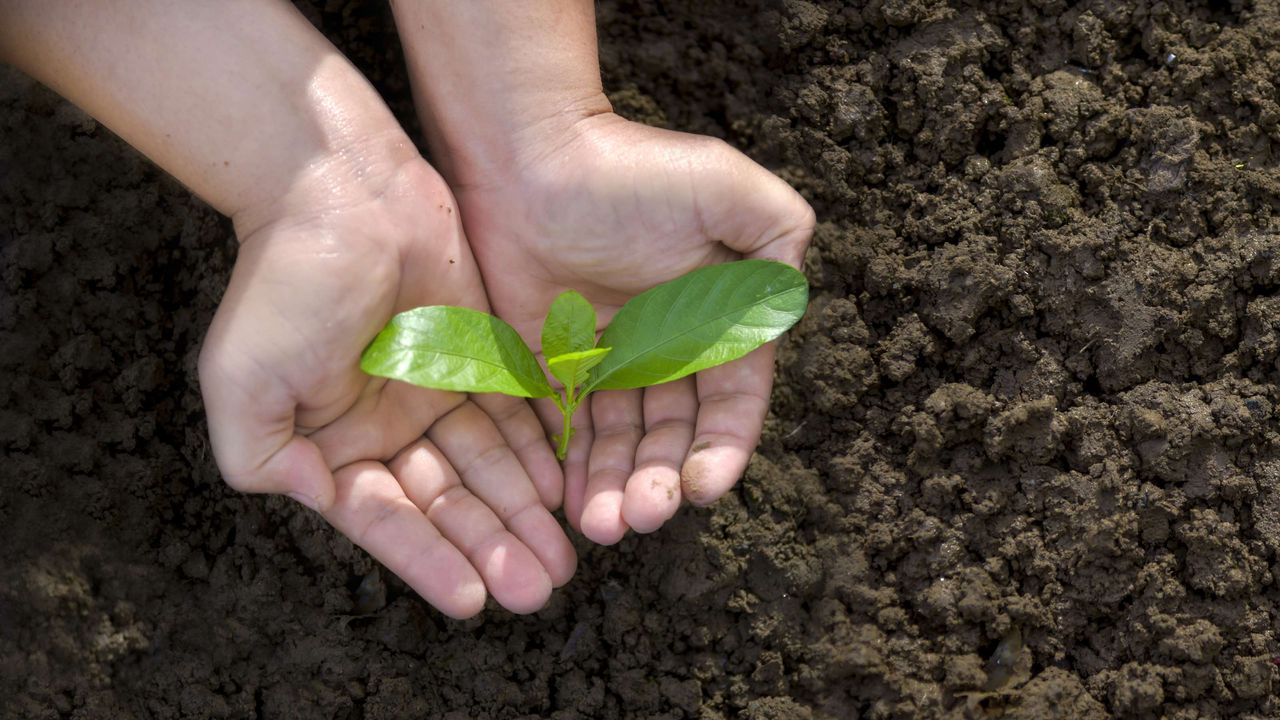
{"x": 455, "y": 348}
{"x": 572, "y": 368}
{"x": 705, "y": 318}
{"x": 570, "y": 326}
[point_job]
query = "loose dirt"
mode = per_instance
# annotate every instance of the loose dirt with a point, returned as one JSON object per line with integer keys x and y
{"x": 1023, "y": 461}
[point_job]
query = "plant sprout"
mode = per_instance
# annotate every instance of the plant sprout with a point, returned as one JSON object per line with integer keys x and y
{"x": 697, "y": 321}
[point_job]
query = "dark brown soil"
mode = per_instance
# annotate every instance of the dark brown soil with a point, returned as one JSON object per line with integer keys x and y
{"x": 1024, "y": 459}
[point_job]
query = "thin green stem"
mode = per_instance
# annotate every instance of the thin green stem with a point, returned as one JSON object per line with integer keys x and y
{"x": 567, "y": 405}
{"x": 565, "y": 433}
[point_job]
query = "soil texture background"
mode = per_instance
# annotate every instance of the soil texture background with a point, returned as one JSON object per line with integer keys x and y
{"x": 1023, "y": 460}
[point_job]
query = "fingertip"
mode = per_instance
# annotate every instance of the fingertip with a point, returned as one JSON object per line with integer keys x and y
{"x": 651, "y": 499}
{"x": 604, "y": 532}
{"x": 467, "y": 601}
{"x": 535, "y": 598}
{"x": 710, "y": 471}
{"x": 524, "y": 586}
{"x": 602, "y": 521}
{"x": 642, "y": 519}
{"x": 446, "y": 580}
{"x": 538, "y": 530}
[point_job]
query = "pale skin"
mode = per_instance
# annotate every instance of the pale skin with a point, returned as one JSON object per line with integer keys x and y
{"x": 342, "y": 224}
{"x": 558, "y": 193}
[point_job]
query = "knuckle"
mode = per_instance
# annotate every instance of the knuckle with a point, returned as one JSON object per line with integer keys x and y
{"x": 448, "y": 501}
{"x": 502, "y": 410}
{"x": 485, "y": 461}
{"x": 628, "y": 433}
{"x": 673, "y": 426}
{"x": 513, "y": 516}
{"x": 714, "y": 144}
{"x": 808, "y": 220}
{"x": 383, "y": 514}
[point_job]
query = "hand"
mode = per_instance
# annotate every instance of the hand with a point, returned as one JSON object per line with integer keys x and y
{"x": 611, "y": 208}
{"x": 453, "y": 512}
{"x": 342, "y": 224}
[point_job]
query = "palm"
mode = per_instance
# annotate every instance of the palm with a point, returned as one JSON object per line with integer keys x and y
{"x": 452, "y": 513}
{"x": 616, "y": 210}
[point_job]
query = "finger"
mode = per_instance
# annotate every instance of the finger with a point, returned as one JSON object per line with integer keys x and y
{"x": 617, "y": 419}
{"x": 490, "y": 470}
{"x": 523, "y": 431}
{"x": 510, "y": 570}
{"x": 653, "y": 492}
{"x": 777, "y": 224}
{"x": 575, "y": 461}
{"x": 371, "y": 508}
{"x": 733, "y": 400}
{"x": 548, "y": 414}
{"x": 381, "y": 423}
{"x": 251, "y": 431}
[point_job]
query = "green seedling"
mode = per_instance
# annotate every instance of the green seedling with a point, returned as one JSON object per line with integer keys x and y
{"x": 697, "y": 321}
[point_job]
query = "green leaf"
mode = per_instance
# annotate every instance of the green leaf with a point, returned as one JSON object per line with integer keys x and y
{"x": 455, "y": 348}
{"x": 570, "y": 326}
{"x": 705, "y": 318}
{"x": 572, "y": 368}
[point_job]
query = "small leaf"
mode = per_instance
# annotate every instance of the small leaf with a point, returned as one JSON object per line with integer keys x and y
{"x": 572, "y": 368}
{"x": 705, "y": 318}
{"x": 570, "y": 326}
{"x": 455, "y": 348}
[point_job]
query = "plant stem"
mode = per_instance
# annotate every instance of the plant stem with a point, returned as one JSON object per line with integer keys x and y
{"x": 567, "y": 404}
{"x": 565, "y": 433}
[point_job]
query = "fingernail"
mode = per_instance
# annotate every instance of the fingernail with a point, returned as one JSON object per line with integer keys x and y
{"x": 305, "y": 500}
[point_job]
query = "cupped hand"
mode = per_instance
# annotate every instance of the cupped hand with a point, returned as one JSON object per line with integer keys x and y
{"x": 436, "y": 486}
{"x": 611, "y": 208}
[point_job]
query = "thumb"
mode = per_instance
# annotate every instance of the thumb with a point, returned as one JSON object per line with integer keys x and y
{"x": 251, "y": 430}
{"x": 751, "y": 210}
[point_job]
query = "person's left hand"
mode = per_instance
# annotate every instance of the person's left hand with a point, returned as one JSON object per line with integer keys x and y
{"x": 611, "y": 208}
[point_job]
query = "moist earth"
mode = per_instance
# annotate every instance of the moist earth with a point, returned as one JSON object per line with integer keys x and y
{"x": 1023, "y": 459}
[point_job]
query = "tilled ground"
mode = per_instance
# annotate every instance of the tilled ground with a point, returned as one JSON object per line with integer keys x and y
{"x": 1024, "y": 459}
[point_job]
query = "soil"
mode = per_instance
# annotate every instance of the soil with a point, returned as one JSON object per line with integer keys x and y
{"x": 1023, "y": 461}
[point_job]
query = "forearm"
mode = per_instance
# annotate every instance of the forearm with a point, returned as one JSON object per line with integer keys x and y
{"x": 494, "y": 77}
{"x": 241, "y": 100}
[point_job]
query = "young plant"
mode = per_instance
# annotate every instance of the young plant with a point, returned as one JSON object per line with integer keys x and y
{"x": 699, "y": 320}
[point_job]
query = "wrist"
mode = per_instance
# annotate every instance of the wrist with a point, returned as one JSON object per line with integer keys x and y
{"x": 494, "y": 80}
{"x": 340, "y": 173}
{"x": 478, "y": 154}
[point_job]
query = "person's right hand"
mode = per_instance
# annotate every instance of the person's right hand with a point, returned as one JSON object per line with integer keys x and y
{"x": 427, "y": 481}
{"x": 559, "y": 193}
{"x": 610, "y": 208}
